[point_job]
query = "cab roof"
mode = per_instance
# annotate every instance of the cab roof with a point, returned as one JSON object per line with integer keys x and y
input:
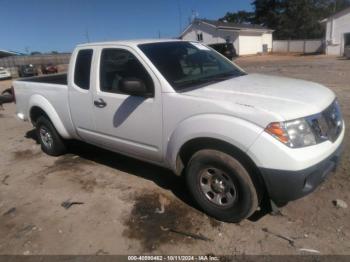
{"x": 130, "y": 42}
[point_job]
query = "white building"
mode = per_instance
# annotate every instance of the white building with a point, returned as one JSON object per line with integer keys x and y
{"x": 247, "y": 39}
{"x": 337, "y": 32}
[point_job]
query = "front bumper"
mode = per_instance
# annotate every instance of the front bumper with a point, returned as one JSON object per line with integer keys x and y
{"x": 284, "y": 186}
{"x": 28, "y": 74}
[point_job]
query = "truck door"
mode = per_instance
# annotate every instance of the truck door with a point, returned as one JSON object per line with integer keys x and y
{"x": 125, "y": 122}
{"x": 80, "y": 96}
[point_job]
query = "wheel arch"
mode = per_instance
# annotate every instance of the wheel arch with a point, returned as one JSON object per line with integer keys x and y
{"x": 39, "y": 106}
{"x": 192, "y": 146}
{"x": 35, "y": 113}
{"x": 236, "y": 132}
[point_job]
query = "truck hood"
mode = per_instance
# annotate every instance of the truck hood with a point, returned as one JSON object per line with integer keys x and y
{"x": 285, "y": 98}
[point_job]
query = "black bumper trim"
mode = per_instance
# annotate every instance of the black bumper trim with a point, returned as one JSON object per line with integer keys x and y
{"x": 284, "y": 186}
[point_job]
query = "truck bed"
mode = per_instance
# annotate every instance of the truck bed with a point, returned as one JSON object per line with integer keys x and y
{"x": 59, "y": 79}
{"x": 50, "y": 92}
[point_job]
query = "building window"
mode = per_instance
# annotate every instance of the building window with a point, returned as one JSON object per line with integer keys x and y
{"x": 200, "y": 37}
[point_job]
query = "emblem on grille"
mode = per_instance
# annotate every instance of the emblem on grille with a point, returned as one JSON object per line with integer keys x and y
{"x": 328, "y": 124}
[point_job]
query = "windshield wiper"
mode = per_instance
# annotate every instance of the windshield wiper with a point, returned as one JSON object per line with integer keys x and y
{"x": 209, "y": 79}
{"x": 224, "y": 76}
{"x": 194, "y": 82}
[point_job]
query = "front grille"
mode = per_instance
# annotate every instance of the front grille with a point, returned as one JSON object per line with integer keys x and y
{"x": 328, "y": 124}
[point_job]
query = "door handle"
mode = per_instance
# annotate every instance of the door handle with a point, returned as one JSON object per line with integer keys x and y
{"x": 100, "y": 103}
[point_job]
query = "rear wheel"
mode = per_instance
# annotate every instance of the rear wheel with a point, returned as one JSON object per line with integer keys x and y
{"x": 51, "y": 142}
{"x": 221, "y": 186}
{"x": 7, "y": 96}
{"x": 7, "y": 92}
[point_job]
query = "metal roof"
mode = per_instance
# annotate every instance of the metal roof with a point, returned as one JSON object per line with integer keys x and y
{"x": 220, "y": 25}
{"x": 338, "y": 14}
{"x": 229, "y": 25}
{"x": 4, "y": 53}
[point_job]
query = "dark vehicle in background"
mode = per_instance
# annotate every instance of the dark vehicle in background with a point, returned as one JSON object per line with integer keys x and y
{"x": 226, "y": 49}
{"x": 27, "y": 70}
{"x": 49, "y": 69}
{"x": 347, "y": 51}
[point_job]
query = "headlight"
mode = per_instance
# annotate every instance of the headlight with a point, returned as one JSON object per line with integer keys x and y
{"x": 296, "y": 133}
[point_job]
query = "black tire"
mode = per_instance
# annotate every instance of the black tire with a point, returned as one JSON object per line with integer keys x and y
{"x": 57, "y": 146}
{"x": 7, "y": 91}
{"x": 238, "y": 188}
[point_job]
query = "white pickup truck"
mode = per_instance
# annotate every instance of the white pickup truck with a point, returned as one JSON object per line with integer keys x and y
{"x": 236, "y": 137}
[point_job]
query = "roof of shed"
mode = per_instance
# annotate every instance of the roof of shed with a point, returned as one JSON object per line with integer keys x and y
{"x": 224, "y": 25}
{"x": 338, "y": 14}
{"x": 220, "y": 25}
{"x": 5, "y": 53}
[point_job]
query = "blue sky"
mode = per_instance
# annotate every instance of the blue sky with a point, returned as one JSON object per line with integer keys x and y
{"x": 48, "y": 25}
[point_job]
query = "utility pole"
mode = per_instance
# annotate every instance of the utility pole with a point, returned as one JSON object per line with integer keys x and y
{"x": 87, "y": 35}
{"x": 180, "y": 15}
{"x": 194, "y": 15}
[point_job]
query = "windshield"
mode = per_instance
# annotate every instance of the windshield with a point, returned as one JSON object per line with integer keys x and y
{"x": 189, "y": 64}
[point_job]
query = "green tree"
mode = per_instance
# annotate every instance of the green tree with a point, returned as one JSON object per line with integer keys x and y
{"x": 268, "y": 12}
{"x": 240, "y": 17}
{"x": 300, "y": 20}
{"x": 338, "y": 5}
{"x": 291, "y": 19}
{"x": 302, "y": 17}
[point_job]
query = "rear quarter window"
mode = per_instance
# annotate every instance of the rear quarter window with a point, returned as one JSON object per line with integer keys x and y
{"x": 83, "y": 68}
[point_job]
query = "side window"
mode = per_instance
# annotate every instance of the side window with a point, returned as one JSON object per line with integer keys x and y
{"x": 117, "y": 65}
{"x": 83, "y": 68}
{"x": 200, "y": 37}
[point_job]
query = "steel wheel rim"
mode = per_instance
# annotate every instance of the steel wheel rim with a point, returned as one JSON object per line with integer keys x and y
{"x": 217, "y": 186}
{"x": 46, "y": 137}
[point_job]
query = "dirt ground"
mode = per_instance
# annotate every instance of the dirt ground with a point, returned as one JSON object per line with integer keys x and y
{"x": 122, "y": 198}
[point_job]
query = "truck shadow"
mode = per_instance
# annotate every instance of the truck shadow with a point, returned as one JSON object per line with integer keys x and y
{"x": 162, "y": 177}
{"x": 126, "y": 108}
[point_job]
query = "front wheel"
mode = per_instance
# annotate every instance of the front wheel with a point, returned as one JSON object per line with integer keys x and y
{"x": 221, "y": 186}
{"x": 51, "y": 142}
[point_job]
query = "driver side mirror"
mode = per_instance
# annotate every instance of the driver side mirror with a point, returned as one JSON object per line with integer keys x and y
{"x": 134, "y": 87}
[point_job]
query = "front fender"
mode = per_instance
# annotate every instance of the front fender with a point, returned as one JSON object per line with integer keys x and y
{"x": 45, "y": 105}
{"x": 235, "y": 131}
